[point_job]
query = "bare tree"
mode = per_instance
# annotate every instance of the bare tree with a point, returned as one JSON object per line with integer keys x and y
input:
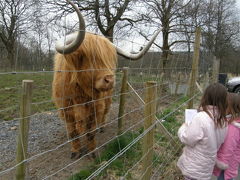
{"x": 105, "y": 14}
{"x": 216, "y": 18}
{"x": 191, "y": 18}
{"x": 221, "y": 27}
{"x": 166, "y": 14}
{"x": 14, "y": 18}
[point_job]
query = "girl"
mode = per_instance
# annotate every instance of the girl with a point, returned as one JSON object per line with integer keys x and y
{"x": 204, "y": 135}
{"x": 229, "y": 152}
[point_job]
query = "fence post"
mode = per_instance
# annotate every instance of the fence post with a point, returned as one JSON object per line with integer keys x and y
{"x": 215, "y": 69}
{"x": 195, "y": 63}
{"x": 25, "y": 112}
{"x": 160, "y": 88}
{"x": 177, "y": 83}
{"x": 149, "y": 117}
{"x": 123, "y": 95}
{"x": 205, "y": 81}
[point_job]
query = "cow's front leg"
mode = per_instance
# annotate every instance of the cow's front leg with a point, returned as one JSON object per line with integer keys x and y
{"x": 91, "y": 132}
{"x": 99, "y": 114}
{"x": 68, "y": 115}
{"x": 82, "y": 116}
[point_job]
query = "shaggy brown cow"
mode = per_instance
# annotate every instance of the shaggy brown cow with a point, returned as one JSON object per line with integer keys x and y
{"x": 83, "y": 83}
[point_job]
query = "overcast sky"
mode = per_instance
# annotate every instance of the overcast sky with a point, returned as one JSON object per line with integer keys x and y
{"x": 134, "y": 42}
{"x": 238, "y": 3}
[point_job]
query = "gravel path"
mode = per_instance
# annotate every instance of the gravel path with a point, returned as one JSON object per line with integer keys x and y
{"x": 45, "y": 131}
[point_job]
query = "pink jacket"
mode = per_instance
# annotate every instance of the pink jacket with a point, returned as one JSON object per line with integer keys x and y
{"x": 202, "y": 140}
{"x": 229, "y": 152}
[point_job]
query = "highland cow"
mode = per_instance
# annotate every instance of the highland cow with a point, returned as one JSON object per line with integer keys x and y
{"x": 83, "y": 83}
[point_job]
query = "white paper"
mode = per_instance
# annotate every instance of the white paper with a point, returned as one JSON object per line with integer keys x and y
{"x": 189, "y": 114}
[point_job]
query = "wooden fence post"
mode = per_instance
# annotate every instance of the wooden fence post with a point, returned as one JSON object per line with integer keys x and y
{"x": 123, "y": 95}
{"x": 160, "y": 88}
{"x": 205, "y": 81}
{"x": 177, "y": 83}
{"x": 149, "y": 118}
{"x": 25, "y": 112}
{"x": 215, "y": 69}
{"x": 195, "y": 63}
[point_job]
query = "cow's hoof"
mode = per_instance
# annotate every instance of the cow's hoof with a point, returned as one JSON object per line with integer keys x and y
{"x": 77, "y": 155}
{"x": 82, "y": 152}
{"x": 93, "y": 155}
{"x": 101, "y": 130}
{"x": 74, "y": 154}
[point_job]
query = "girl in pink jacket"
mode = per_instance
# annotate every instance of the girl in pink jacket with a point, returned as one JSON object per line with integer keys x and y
{"x": 204, "y": 135}
{"x": 229, "y": 152}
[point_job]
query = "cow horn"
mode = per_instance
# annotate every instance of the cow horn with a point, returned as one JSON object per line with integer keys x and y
{"x": 73, "y": 41}
{"x": 138, "y": 55}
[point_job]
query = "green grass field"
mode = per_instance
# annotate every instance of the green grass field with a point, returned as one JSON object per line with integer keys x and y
{"x": 10, "y": 93}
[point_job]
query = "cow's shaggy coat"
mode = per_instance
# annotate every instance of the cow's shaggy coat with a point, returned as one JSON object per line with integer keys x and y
{"x": 82, "y": 88}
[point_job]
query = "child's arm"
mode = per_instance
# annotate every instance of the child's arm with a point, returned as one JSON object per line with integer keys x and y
{"x": 191, "y": 133}
{"x": 230, "y": 144}
{"x": 221, "y": 165}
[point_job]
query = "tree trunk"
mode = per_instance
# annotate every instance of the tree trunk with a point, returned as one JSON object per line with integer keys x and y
{"x": 10, "y": 57}
{"x": 109, "y": 34}
{"x": 165, "y": 49}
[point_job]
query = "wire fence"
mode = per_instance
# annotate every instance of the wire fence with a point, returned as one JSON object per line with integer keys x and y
{"x": 110, "y": 149}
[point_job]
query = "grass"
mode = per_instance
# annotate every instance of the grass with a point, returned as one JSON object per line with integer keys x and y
{"x": 145, "y": 78}
{"x": 170, "y": 115}
{"x": 10, "y": 93}
{"x": 83, "y": 174}
{"x": 167, "y": 155}
{"x": 119, "y": 166}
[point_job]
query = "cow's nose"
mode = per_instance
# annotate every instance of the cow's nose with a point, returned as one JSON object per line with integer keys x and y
{"x": 109, "y": 79}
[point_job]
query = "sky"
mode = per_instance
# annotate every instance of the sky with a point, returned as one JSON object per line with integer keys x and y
{"x": 138, "y": 42}
{"x": 238, "y": 3}
{"x": 133, "y": 43}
